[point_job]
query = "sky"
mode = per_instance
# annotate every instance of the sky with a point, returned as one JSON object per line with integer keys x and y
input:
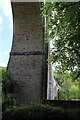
{"x": 6, "y": 31}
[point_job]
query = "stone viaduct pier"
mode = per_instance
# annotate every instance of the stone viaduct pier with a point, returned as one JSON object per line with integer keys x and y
{"x": 28, "y": 54}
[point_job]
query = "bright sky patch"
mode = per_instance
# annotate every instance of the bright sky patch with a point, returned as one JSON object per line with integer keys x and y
{"x": 6, "y": 31}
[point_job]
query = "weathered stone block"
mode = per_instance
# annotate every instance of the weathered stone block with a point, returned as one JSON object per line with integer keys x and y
{"x": 28, "y": 70}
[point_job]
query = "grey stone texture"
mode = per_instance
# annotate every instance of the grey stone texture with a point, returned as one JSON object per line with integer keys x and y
{"x": 28, "y": 70}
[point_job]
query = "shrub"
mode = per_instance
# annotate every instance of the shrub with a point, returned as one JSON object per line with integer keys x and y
{"x": 8, "y": 101}
{"x": 37, "y": 112}
{"x": 7, "y": 82}
{"x": 7, "y": 89}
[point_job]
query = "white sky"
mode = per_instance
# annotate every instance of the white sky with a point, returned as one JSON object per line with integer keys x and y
{"x": 6, "y": 30}
{"x": 6, "y": 7}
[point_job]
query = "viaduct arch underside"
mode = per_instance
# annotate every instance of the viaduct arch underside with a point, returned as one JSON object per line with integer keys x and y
{"x": 28, "y": 54}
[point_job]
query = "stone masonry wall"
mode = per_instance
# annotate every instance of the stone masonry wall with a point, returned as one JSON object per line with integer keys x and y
{"x": 28, "y": 70}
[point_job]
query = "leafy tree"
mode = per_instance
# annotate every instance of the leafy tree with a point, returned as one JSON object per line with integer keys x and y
{"x": 7, "y": 82}
{"x": 69, "y": 89}
{"x": 8, "y": 99}
{"x": 63, "y": 28}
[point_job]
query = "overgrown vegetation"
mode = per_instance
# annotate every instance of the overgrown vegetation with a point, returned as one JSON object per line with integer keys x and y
{"x": 12, "y": 111}
{"x": 7, "y": 90}
{"x": 40, "y": 112}
{"x": 0, "y": 87}
{"x": 63, "y": 29}
{"x": 69, "y": 88}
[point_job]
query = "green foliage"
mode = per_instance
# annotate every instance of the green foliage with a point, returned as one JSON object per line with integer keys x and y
{"x": 63, "y": 28}
{"x": 8, "y": 101}
{"x": 36, "y": 112}
{"x": 7, "y": 82}
{"x": 0, "y": 86}
{"x": 70, "y": 88}
{"x": 7, "y": 90}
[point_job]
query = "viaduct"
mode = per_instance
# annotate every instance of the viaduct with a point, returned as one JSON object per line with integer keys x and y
{"x": 28, "y": 55}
